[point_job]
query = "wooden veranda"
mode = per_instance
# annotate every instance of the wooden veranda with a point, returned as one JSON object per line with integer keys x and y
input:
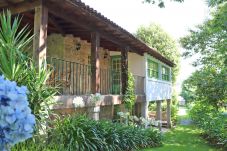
{"x": 74, "y": 17}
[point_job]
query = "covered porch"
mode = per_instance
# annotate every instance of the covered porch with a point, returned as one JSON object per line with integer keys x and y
{"x": 79, "y": 71}
{"x": 76, "y": 23}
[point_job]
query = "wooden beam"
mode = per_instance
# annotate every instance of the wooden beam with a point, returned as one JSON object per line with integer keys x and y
{"x": 124, "y": 69}
{"x": 17, "y": 8}
{"x": 56, "y": 24}
{"x": 70, "y": 18}
{"x": 95, "y": 63}
{"x": 40, "y": 34}
{"x": 8, "y": 2}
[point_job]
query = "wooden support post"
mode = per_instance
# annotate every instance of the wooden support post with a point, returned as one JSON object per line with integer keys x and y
{"x": 40, "y": 34}
{"x": 124, "y": 69}
{"x": 159, "y": 113}
{"x": 95, "y": 63}
{"x": 169, "y": 114}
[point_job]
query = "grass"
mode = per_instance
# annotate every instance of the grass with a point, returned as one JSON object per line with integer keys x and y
{"x": 183, "y": 138}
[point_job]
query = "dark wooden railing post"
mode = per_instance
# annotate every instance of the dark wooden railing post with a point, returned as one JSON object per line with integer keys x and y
{"x": 40, "y": 34}
{"x": 95, "y": 63}
{"x": 124, "y": 69}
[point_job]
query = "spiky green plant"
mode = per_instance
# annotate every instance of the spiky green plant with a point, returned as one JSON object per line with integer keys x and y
{"x": 15, "y": 65}
{"x": 12, "y": 43}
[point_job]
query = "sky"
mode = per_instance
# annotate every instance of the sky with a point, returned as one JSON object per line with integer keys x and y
{"x": 176, "y": 19}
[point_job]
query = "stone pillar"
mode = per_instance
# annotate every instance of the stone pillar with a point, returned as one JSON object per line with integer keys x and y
{"x": 93, "y": 112}
{"x": 95, "y": 63}
{"x": 144, "y": 109}
{"x": 169, "y": 114}
{"x": 40, "y": 34}
{"x": 159, "y": 112}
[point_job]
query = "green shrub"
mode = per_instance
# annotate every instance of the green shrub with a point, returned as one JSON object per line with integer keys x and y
{"x": 92, "y": 135}
{"x": 174, "y": 110}
{"x": 81, "y": 133}
{"x": 212, "y": 123}
{"x": 129, "y": 97}
{"x": 31, "y": 145}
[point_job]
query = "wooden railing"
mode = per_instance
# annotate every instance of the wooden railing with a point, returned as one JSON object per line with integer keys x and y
{"x": 106, "y": 81}
{"x": 71, "y": 77}
{"x": 74, "y": 78}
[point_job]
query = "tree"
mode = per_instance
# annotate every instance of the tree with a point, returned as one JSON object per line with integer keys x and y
{"x": 213, "y": 3}
{"x": 209, "y": 40}
{"x": 155, "y": 37}
{"x": 206, "y": 85}
{"x": 188, "y": 90}
{"x": 161, "y": 3}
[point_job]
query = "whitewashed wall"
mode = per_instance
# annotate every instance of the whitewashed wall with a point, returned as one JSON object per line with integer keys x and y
{"x": 135, "y": 63}
{"x": 156, "y": 89}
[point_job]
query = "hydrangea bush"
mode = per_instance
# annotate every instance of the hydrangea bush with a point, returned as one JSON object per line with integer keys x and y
{"x": 16, "y": 121}
{"x": 78, "y": 102}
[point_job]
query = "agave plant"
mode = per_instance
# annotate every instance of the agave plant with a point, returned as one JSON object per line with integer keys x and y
{"x": 12, "y": 44}
{"x": 15, "y": 65}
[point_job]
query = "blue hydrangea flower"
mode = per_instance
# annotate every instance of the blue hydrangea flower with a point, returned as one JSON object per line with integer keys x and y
{"x": 16, "y": 121}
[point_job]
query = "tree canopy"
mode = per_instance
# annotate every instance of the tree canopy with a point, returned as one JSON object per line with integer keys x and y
{"x": 160, "y": 3}
{"x": 155, "y": 37}
{"x": 213, "y": 3}
{"x": 209, "y": 40}
{"x": 188, "y": 90}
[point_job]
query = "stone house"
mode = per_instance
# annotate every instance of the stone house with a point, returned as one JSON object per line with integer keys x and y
{"x": 90, "y": 54}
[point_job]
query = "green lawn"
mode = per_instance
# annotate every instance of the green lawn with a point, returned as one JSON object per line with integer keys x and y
{"x": 183, "y": 138}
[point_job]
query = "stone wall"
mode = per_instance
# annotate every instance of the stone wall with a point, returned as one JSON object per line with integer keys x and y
{"x": 106, "y": 112}
{"x": 55, "y": 46}
{"x": 74, "y": 77}
{"x": 65, "y": 48}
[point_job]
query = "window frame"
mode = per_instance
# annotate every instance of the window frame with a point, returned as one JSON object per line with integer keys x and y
{"x": 165, "y": 73}
{"x": 152, "y": 65}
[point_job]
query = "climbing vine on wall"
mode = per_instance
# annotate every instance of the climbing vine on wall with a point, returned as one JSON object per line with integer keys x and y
{"x": 129, "y": 98}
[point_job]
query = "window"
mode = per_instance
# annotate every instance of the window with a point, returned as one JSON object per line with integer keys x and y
{"x": 152, "y": 69}
{"x": 165, "y": 73}
{"x": 116, "y": 74}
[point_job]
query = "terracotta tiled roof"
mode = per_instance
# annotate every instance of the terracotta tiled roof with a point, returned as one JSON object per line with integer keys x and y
{"x": 145, "y": 48}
